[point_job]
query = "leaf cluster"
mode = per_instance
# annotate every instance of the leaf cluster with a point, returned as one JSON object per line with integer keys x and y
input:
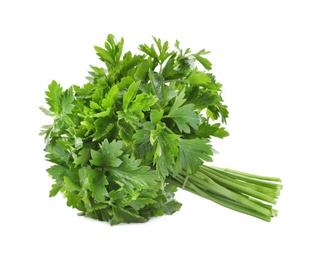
{"x": 139, "y": 120}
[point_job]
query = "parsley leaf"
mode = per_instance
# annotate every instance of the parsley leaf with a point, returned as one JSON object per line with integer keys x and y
{"x": 54, "y": 95}
{"x": 108, "y": 154}
{"x": 193, "y": 153}
{"x": 166, "y": 149}
{"x": 98, "y": 181}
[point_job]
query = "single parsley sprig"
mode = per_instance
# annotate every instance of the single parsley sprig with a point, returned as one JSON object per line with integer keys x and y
{"x": 140, "y": 128}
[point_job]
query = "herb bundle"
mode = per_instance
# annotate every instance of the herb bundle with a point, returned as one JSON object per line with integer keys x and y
{"x": 140, "y": 128}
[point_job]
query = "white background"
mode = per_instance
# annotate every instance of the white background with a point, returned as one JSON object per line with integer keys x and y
{"x": 269, "y": 56}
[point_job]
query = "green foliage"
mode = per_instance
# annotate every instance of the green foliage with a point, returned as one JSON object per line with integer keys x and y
{"x": 117, "y": 142}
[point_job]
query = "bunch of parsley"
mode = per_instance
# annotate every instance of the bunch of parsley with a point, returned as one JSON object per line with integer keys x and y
{"x": 140, "y": 128}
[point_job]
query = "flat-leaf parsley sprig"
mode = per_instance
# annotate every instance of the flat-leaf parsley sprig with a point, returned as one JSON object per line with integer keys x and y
{"x": 139, "y": 129}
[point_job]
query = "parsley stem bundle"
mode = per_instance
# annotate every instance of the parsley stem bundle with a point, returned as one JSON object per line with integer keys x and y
{"x": 235, "y": 190}
{"x": 121, "y": 144}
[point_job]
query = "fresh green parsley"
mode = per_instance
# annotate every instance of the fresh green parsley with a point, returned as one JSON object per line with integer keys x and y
{"x": 139, "y": 129}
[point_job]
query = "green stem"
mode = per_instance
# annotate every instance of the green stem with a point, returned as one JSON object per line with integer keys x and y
{"x": 258, "y": 181}
{"x": 240, "y": 191}
{"x": 239, "y": 186}
{"x": 219, "y": 189}
{"x": 221, "y": 200}
{"x": 275, "y": 179}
